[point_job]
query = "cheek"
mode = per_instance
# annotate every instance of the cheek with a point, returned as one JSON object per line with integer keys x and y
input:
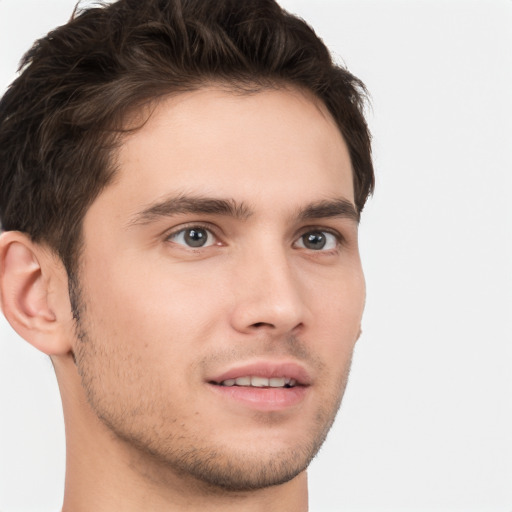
{"x": 338, "y": 295}
{"x": 337, "y": 311}
{"x": 140, "y": 334}
{"x": 160, "y": 307}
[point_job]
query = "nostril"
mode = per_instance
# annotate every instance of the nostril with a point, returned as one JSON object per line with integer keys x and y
{"x": 262, "y": 324}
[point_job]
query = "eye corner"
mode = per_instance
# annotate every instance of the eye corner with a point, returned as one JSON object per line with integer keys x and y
{"x": 193, "y": 237}
{"x": 319, "y": 240}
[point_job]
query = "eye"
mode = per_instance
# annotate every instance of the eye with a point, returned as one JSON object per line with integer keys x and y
{"x": 318, "y": 241}
{"x": 195, "y": 236}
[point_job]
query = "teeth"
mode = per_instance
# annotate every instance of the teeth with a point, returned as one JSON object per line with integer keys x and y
{"x": 260, "y": 382}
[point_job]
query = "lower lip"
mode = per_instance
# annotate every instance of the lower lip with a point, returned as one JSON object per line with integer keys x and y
{"x": 262, "y": 399}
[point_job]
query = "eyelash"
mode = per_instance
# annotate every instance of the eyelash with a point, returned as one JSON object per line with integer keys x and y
{"x": 182, "y": 229}
{"x": 340, "y": 239}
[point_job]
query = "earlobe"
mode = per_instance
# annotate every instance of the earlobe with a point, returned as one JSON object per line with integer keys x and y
{"x": 27, "y": 276}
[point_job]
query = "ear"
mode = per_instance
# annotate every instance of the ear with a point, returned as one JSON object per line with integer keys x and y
{"x": 33, "y": 293}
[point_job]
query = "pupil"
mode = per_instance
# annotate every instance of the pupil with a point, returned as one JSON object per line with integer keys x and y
{"x": 314, "y": 241}
{"x": 196, "y": 237}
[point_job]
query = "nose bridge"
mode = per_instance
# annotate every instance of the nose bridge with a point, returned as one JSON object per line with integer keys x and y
{"x": 269, "y": 293}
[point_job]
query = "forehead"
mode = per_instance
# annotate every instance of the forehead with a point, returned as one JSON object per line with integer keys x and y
{"x": 279, "y": 145}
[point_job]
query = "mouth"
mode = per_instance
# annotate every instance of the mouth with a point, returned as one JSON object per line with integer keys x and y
{"x": 258, "y": 382}
{"x": 263, "y": 386}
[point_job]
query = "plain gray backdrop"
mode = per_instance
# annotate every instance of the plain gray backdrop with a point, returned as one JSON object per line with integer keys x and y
{"x": 426, "y": 423}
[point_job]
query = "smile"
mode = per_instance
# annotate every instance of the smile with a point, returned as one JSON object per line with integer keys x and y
{"x": 269, "y": 386}
{"x": 260, "y": 382}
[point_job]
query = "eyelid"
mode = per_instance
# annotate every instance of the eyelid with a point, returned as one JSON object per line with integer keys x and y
{"x": 323, "y": 229}
{"x": 212, "y": 230}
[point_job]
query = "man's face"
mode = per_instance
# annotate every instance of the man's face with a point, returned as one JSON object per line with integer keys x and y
{"x": 221, "y": 287}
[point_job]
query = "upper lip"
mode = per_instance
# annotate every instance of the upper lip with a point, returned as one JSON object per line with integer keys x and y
{"x": 268, "y": 369}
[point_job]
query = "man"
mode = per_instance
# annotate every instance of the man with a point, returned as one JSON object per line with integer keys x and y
{"x": 180, "y": 189}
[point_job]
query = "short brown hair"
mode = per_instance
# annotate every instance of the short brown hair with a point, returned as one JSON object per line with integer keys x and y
{"x": 62, "y": 118}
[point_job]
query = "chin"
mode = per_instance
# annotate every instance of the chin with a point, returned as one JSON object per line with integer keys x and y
{"x": 244, "y": 472}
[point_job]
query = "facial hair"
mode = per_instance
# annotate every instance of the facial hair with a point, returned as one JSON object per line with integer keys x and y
{"x": 164, "y": 446}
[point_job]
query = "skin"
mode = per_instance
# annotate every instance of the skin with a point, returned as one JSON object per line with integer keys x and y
{"x": 159, "y": 320}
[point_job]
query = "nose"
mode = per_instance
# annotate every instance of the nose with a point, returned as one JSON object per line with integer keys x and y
{"x": 268, "y": 295}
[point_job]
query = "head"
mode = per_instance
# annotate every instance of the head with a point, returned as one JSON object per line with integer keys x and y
{"x": 196, "y": 170}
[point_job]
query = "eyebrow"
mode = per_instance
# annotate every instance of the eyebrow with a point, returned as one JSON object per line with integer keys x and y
{"x": 180, "y": 204}
{"x": 330, "y": 208}
{"x": 184, "y": 204}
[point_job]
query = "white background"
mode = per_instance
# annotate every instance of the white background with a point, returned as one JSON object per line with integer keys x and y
{"x": 426, "y": 424}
